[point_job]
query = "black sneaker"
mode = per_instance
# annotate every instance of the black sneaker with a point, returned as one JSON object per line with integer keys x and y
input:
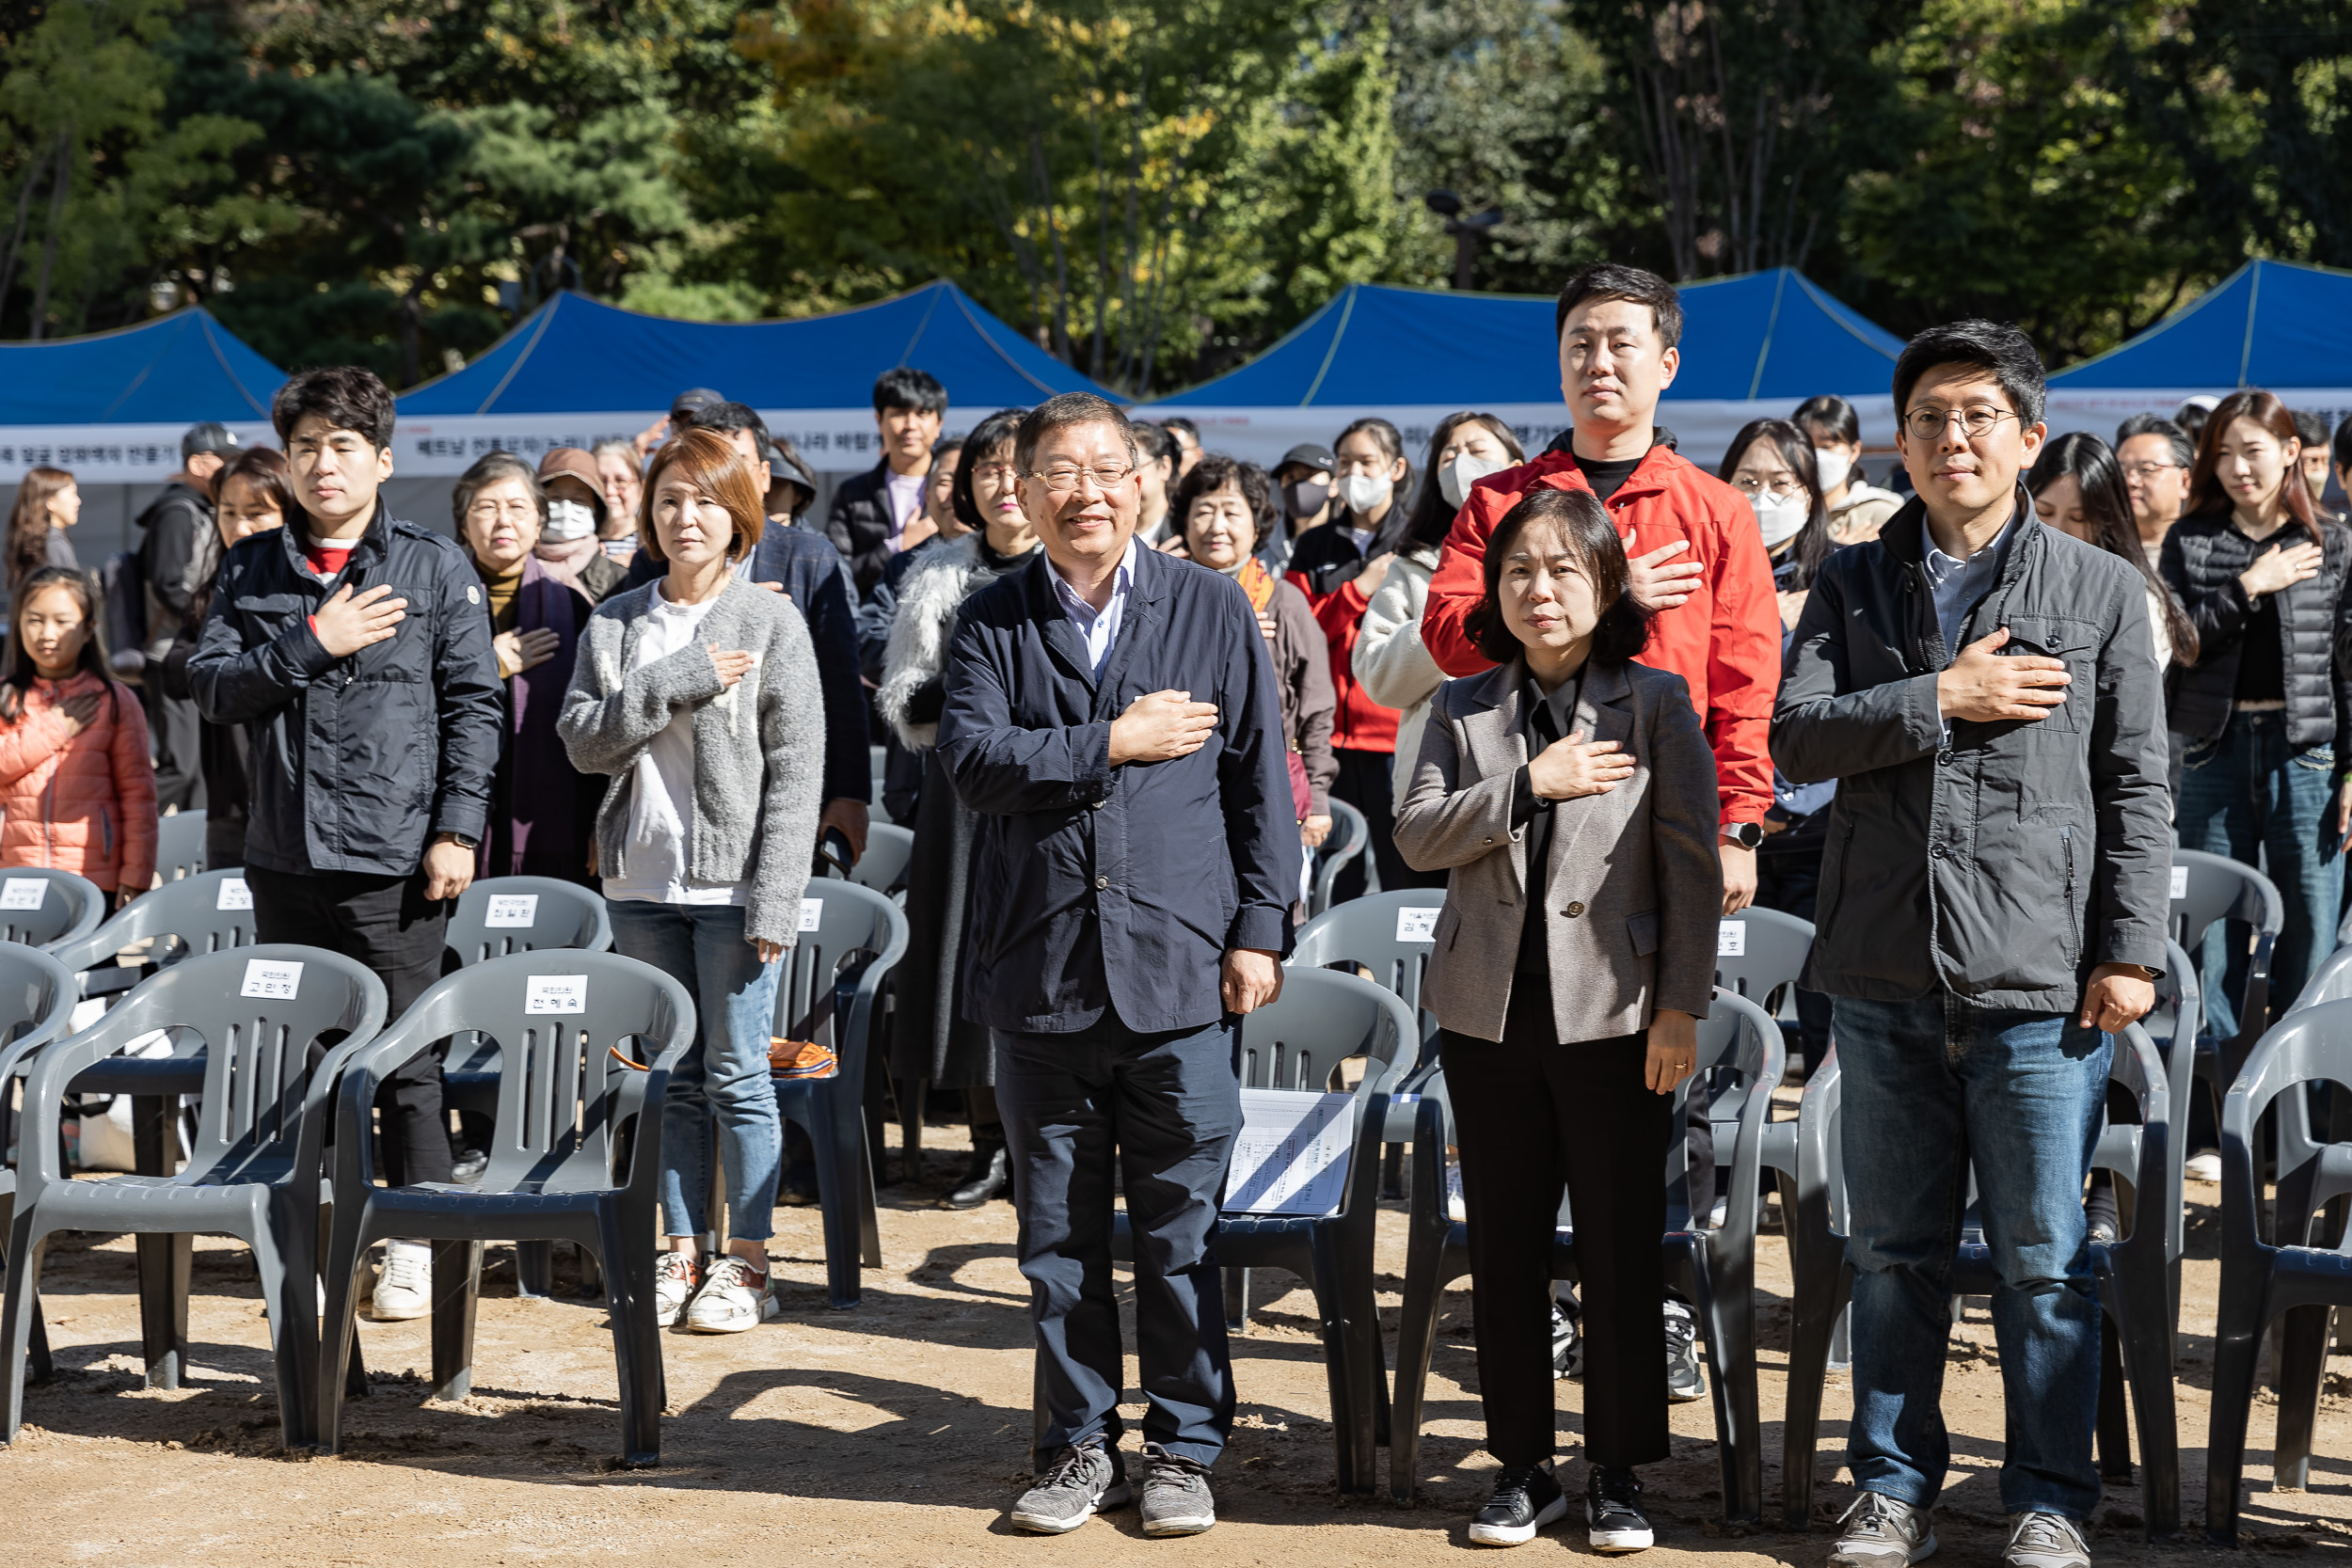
{"x": 1567, "y": 1339}
{"x": 1526, "y": 1499}
{"x": 1084, "y": 1479}
{"x": 1684, "y": 1382}
{"x": 1613, "y": 1512}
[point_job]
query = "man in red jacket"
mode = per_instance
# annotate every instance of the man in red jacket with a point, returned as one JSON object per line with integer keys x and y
{"x": 1698, "y": 559}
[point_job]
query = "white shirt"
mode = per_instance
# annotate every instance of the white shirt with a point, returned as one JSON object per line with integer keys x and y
{"x": 1100, "y": 629}
{"x": 906, "y": 498}
{"x": 660, "y": 843}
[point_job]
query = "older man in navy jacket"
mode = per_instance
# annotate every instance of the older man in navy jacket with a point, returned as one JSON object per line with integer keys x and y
{"x": 1111, "y": 717}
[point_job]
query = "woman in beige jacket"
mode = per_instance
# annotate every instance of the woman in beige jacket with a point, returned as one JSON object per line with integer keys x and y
{"x": 1571, "y": 794}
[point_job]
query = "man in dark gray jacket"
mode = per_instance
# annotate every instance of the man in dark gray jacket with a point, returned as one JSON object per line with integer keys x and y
{"x": 1993, "y": 891}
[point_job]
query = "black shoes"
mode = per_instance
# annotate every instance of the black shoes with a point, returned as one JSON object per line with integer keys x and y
{"x": 1526, "y": 1499}
{"x": 1613, "y": 1512}
{"x": 988, "y": 1175}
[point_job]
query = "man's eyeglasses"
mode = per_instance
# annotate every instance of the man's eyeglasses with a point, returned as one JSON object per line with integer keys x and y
{"x": 1779, "y": 489}
{"x": 1062, "y": 479}
{"x": 1978, "y": 420}
{"x": 2145, "y": 471}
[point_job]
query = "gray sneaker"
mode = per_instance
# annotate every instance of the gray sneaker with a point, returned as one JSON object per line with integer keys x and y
{"x": 1176, "y": 1499}
{"x": 1084, "y": 1479}
{"x": 1879, "y": 1532}
{"x": 2046, "y": 1541}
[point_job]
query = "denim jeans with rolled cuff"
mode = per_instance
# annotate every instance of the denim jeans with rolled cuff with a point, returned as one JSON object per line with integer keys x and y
{"x": 1928, "y": 1087}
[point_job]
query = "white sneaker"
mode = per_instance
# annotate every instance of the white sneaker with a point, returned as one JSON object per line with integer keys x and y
{"x": 2043, "y": 1540}
{"x": 1880, "y": 1532}
{"x": 405, "y": 1290}
{"x": 674, "y": 1277}
{"x": 2202, "y": 1167}
{"x": 734, "y": 1297}
{"x": 1456, "y": 1206}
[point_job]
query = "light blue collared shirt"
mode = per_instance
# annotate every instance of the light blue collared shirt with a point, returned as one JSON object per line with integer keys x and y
{"x": 1957, "y": 585}
{"x": 1099, "y": 628}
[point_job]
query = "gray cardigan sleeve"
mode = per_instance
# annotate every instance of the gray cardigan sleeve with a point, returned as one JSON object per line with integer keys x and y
{"x": 609, "y": 717}
{"x": 792, "y": 745}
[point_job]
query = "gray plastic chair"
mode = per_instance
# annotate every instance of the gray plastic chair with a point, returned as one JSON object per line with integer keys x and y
{"x": 1298, "y": 1041}
{"x": 2291, "y": 1286}
{"x": 1713, "y": 1267}
{"x": 179, "y": 844}
{"x": 71, "y": 908}
{"x": 576, "y": 1158}
{"x": 829, "y": 993}
{"x": 37, "y": 996}
{"x": 1350, "y": 834}
{"x": 208, "y": 912}
{"x": 2132, "y": 1276}
{"x": 1363, "y": 932}
{"x": 2220, "y": 889}
{"x": 884, "y": 866}
{"x": 255, "y": 1171}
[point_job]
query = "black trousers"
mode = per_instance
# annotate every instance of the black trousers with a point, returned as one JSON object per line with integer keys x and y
{"x": 1084, "y": 1115}
{"x": 1364, "y": 784}
{"x": 389, "y": 925}
{"x": 173, "y": 731}
{"x": 1533, "y": 1114}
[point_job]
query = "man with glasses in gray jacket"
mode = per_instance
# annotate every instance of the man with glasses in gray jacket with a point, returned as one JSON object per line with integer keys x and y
{"x": 1993, "y": 893}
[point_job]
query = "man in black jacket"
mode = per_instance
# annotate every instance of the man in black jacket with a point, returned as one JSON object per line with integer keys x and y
{"x": 1111, "y": 717}
{"x": 877, "y": 513}
{"x": 179, "y": 551}
{"x": 354, "y": 649}
{"x": 1993, "y": 904}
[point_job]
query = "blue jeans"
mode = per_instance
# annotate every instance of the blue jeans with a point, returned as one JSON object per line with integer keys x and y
{"x": 1928, "y": 1087}
{"x": 2250, "y": 791}
{"x": 702, "y": 946}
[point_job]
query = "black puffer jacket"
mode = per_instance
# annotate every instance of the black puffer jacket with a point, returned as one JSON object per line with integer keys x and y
{"x": 355, "y": 762}
{"x": 2202, "y": 559}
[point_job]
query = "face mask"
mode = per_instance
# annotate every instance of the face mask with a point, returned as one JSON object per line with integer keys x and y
{"x": 1456, "y": 479}
{"x": 1362, "y": 492}
{"x": 1780, "y": 520}
{"x": 1832, "y": 468}
{"x": 568, "y": 520}
{"x": 1306, "y": 496}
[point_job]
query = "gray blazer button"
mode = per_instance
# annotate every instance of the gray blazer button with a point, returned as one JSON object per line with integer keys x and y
{"x": 1573, "y": 911}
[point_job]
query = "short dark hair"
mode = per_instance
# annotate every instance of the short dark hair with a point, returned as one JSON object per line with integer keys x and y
{"x": 1829, "y": 418}
{"x": 947, "y": 446}
{"x": 1609, "y": 280}
{"x": 1983, "y": 345}
{"x": 493, "y": 467}
{"x": 902, "y": 387}
{"x": 263, "y": 468}
{"x": 1214, "y": 472}
{"x": 1180, "y": 427}
{"x": 1157, "y": 444}
{"x": 986, "y": 437}
{"x": 347, "y": 397}
{"x": 722, "y": 418}
{"x": 2183, "y": 449}
{"x": 1623, "y": 625}
{"x": 2340, "y": 449}
{"x": 1060, "y": 412}
{"x": 2310, "y": 428}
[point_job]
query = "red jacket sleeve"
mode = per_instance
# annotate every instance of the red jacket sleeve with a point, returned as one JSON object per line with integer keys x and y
{"x": 1459, "y": 583}
{"x": 1742, "y": 669}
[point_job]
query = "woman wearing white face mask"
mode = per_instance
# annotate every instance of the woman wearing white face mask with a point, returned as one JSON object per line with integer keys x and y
{"x": 568, "y": 550}
{"x": 1857, "y": 509}
{"x": 1339, "y": 566}
{"x": 1390, "y": 660}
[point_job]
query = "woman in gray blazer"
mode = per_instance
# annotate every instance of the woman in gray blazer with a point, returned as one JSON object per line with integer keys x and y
{"x": 1569, "y": 993}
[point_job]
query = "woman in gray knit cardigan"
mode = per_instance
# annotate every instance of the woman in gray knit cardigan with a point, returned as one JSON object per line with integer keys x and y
{"x": 698, "y": 694}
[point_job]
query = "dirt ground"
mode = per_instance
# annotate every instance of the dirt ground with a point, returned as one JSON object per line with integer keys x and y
{"x": 894, "y": 1434}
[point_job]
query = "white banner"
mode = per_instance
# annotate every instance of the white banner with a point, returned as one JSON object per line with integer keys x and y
{"x": 106, "y": 453}
{"x": 832, "y": 440}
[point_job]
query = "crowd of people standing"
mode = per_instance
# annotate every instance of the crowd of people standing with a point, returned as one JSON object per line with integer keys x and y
{"x": 1602, "y": 695}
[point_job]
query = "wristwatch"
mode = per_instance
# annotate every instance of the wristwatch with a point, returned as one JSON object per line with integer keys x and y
{"x": 460, "y": 839}
{"x": 1747, "y": 835}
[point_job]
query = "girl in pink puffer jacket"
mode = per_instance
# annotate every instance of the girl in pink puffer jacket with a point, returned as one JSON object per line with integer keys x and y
{"x": 77, "y": 790}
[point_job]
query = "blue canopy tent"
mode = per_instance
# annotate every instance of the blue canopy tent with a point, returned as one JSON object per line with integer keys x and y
{"x": 1753, "y": 344}
{"x": 113, "y": 406}
{"x": 2277, "y": 325}
{"x": 576, "y": 371}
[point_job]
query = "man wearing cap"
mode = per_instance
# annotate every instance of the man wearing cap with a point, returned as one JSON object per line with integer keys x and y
{"x": 1302, "y": 493}
{"x": 178, "y": 553}
{"x": 568, "y": 550}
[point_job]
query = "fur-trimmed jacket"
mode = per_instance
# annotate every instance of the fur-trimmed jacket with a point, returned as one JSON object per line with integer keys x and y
{"x": 922, "y": 624}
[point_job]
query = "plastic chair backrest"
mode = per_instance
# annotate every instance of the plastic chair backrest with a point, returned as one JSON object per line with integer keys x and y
{"x": 258, "y": 1010}
{"x": 1772, "y": 952}
{"x": 1350, "y": 834}
{"x": 884, "y": 866}
{"x": 37, "y": 997}
{"x": 179, "y": 844}
{"x": 1820, "y": 1153}
{"x": 520, "y": 914}
{"x": 1737, "y": 1035}
{"x": 1364, "y": 931}
{"x": 839, "y": 921}
{"x": 1321, "y": 1018}
{"x": 2330, "y": 982}
{"x": 2219, "y": 888}
{"x": 209, "y": 912}
{"x": 2312, "y": 1045}
{"x": 71, "y": 908}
